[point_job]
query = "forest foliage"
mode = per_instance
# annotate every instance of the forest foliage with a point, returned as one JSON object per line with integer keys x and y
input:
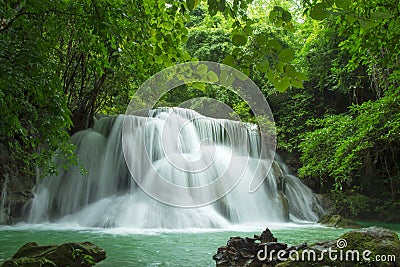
{"x": 329, "y": 68}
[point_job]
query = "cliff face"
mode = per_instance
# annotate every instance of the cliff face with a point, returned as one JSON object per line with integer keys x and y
{"x": 15, "y": 190}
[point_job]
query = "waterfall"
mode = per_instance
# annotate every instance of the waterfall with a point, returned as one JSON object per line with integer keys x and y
{"x": 104, "y": 194}
{"x": 4, "y": 213}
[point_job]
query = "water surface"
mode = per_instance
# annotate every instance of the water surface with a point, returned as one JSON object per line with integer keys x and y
{"x": 157, "y": 247}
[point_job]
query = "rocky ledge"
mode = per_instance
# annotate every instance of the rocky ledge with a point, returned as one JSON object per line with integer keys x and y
{"x": 84, "y": 254}
{"x": 335, "y": 220}
{"x": 372, "y": 246}
{"x": 253, "y": 251}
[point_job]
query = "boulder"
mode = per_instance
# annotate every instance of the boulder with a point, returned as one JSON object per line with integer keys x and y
{"x": 84, "y": 254}
{"x": 259, "y": 251}
{"x": 334, "y": 220}
{"x": 356, "y": 248}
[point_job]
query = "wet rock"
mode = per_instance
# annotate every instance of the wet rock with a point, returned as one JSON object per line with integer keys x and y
{"x": 68, "y": 254}
{"x": 15, "y": 189}
{"x": 261, "y": 250}
{"x": 356, "y": 248}
{"x": 326, "y": 202}
{"x": 266, "y": 236}
{"x": 334, "y": 220}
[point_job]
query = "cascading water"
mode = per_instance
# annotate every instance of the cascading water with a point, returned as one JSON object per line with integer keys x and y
{"x": 107, "y": 196}
{"x": 3, "y": 199}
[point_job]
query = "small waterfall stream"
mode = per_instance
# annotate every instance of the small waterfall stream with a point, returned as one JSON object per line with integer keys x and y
{"x": 107, "y": 196}
{"x": 3, "y": 199}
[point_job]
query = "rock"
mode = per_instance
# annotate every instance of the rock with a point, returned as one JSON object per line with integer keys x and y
{"x": 259, "y": 251}
{"x": 266, "y": 236}
{"x": 68, "y": 254}
{"x": 15, "y": 189}
{"x": 334, "y": 220}
{"x": 367, "y": 242}
{"x": 326, "y": 202}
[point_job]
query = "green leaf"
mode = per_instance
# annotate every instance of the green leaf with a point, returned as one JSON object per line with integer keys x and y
{"x": 261, "y": 40}
{"x": 290, "y": 71}
{"x": 286, "y": 16}
{"x": 191, "y": 4}
{"x": 343, "y": 4}
{"x": 366, "y": 25}
{"x": 274, "y": 44}
{"x": 236, "y": 51}
{"x": 212, "y": 77}
{"x": 286, "y": 55}
{"x": 221, "y": 5}
{"x": 282, "y": 85}
{"x": 202, "y": 69}
{"x": 239, "y": 40}
{"x": 351, "y": 18}
{"x": 228, "y": 60}
{"x": 278, "y": 9}
{"x": 302, "y": 77}
{"x": 319, "y": 12}
{"x": 296, "y": 83}
{"x": 200, "y": 86}
{"x": 381, "y": 15}
{"x": 271, "y": 76}
{"x": 272, "y": 16}
{"x": 226, "y": 79}
{"x": 212, "y": 7}
{"x": 246, "y": 71}
{"x": 263, "y": 65}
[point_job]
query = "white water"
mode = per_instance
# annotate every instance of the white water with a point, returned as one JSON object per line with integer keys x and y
{"x": 185, "y": 152}
{"x": 3, "y": 199}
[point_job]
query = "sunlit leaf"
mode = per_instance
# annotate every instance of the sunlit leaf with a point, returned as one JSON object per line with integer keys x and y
{"x": 271, "y": 76}
{"x": 200, "y": 86}
{"x": 212, "y": 77}
{"x": 296, "y": 83}
{"x": 282, "y": 85}
{"x": 202, "y": 69}
{"x": 302, "y": 77}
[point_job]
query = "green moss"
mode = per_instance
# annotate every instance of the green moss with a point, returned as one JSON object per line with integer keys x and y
{"x": 29, "y": 262}
{"x": 334, "y": 220}
{"x": 379, "y": 241}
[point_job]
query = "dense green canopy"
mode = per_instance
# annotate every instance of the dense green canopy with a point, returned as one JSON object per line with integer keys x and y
{"x": 329, "y": 68}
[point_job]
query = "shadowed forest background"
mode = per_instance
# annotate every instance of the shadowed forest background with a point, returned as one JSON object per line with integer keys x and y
{"x": 329, "y": 70}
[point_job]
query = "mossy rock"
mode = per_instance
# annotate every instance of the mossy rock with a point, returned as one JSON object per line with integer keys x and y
{"x": 334, "y": 220}
{"x": 379, "y": 241}
{"x": 68, "y": 254}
